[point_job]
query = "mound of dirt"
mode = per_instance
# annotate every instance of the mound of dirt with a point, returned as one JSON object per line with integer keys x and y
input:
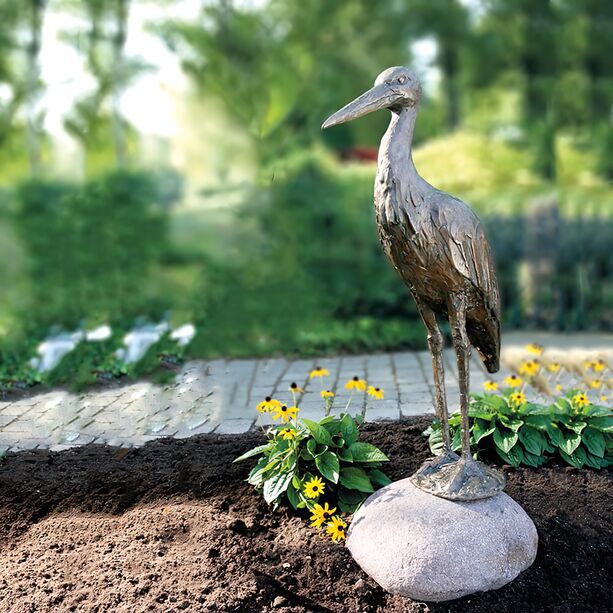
{"x": 173, "y": 526}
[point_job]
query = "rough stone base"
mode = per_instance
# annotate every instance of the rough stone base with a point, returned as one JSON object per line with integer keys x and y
{"x": 428, "y": 548}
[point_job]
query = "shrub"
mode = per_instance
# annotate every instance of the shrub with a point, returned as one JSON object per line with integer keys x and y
{"x": 307, "y": 462}
{"x": 525, "y": 433}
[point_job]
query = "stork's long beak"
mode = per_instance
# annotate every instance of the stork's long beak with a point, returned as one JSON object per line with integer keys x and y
{"x": 379, "y": 97}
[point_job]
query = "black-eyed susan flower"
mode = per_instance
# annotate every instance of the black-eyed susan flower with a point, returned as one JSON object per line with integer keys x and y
{"x": 558, "y": 387}
{"x": 294, "y": 388}
{"x": 490, "y": 386}
{"x": 320, "y": 514}
{"x": 268, "y": 405}
{"x": 517, "y": 398}
{"x": 599, "y": 366}
{"x": 318, "y": 371}
{"x": 326, "y": 394}
{"x": 336, "y": 529}
{"x": 314, "y": 487}
{"x": 534, "y": 349}
{"x": 581, "y": 400}
{"x": 529, "y": 368}
{"x": 553, "y": 367}
{"x": 285, "y": 413}
{"x": 513, "y": 381}
{"x": 287, "y": 433}
{"x": 595, "y": 384}
{"x": 375, "y": 392}
{"x": 356, "y": 384}
{"x": 603, "y": 399}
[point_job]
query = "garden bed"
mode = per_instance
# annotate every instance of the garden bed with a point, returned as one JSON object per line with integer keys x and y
{"x": 173, "y": 526}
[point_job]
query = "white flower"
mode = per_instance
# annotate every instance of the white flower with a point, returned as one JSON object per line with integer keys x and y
{"x": 101, "y": 333}
{"x": 54, "y": 348}
{"x": 184, "y": 334}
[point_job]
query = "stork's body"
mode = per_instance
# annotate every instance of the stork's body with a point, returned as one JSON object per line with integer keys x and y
{"x": 439, "y": 248}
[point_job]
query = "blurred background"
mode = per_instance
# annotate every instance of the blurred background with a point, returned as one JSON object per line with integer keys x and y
{"x": 166, "y": 190}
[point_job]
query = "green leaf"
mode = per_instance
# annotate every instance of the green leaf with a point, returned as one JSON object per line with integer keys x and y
{"x": 594, "y": 440}
{"x": 345, "y": 455}
{"x": 604, "y": 424}
{"x": 481, "y": 429}
{"x": 511, "y": 423}
{"x": 365, "y": 452}
{"x": 498, "y": 403}
{"x": 253, "y": 452}
{"x": 354, "y": 478}
{"x": 514, "y": 457}
{"x": 569, "y": 441}
{"x": 540, "y": 422}
{"x": 577, "y": 459}
{"x": 576, "y": 426}
{"x": 276, "y": 485}
{"x": 505, "y": 440}
{"x": 333, "y": 427}
{"x": 593, "y": 410}
{"x": 456, "y": 441}
{"x": 534, "y": 409}
{"x": 319, "y": 433}
{"x": 531, "y": 459}
{"x": 532, "y": 440}
{"x": 349, "y": 430}
{"x": 256, "y": 475}
{"x": 292, "y": 496}
{"x": 435, "y": 440}
{"x": 315, "y": 449}
{"x": 328, "y": 465}
{"x": 379, "y": 477}
{"x": 594, "y": 461}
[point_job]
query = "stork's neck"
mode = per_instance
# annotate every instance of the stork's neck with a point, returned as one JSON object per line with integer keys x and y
{"x": 395, "y": 149}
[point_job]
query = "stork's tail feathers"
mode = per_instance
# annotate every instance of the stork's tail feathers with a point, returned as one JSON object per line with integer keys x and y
{"x": 486, "y": 340}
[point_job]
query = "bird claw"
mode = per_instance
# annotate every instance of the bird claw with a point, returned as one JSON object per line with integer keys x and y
{"x": 464, "y": 479}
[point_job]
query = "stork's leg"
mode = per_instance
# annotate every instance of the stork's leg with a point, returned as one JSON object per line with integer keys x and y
{"x": 468, "y": 479}
{"x": 435, "y": 344}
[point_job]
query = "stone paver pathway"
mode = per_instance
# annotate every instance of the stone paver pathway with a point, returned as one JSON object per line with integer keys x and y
{"x": 221, "y": 396}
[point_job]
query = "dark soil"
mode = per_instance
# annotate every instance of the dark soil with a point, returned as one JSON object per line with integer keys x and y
{"x": 172, "y": 526}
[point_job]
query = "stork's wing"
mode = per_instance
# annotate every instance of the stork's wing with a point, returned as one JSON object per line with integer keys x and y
{"x": 470, "y": 255}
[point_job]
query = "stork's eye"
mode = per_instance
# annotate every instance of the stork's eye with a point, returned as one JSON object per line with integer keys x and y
{"x": 401, "y": 79}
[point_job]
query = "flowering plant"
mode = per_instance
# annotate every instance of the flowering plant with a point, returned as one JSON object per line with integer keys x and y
{"x": 320, "y": 466}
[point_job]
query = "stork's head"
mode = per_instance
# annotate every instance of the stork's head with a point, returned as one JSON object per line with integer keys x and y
{"x": 394, "y": 88}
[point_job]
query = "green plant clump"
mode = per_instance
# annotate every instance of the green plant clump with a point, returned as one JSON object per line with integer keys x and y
{"x": 571, "y": 429}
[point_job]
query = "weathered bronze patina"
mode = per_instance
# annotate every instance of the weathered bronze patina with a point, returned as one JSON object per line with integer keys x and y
{"x": 438, "y": 246}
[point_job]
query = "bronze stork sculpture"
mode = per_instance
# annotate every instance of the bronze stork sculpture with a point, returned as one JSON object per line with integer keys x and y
{"x": 438, "y": 246}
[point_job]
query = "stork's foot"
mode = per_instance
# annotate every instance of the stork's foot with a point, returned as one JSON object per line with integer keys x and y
{"x": 464, "y": 479}
{"x": 433, "y": 465}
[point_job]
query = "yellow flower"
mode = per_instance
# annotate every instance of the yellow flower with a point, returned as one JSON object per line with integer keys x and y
{"x": 327, "y": 394}
{"x": 581, "y": 400}
{"x": 517, "y": 398}
{"x": 513, "y": 381}
{"x": 490, "y": 386}
{"x": 553, "y": 367}
{"x": 375, "y": 392}
{"x": 285, "y": 413}
{"x": 595, "y": 365}
{"x": 287, "y": 433}
{"x": 336, "y": 529}
{"x": 319, "y": 514}
{"x": 529, "y": 368}
{"x": 295, "y": 388}
{"x": 356, "y": 384}
{"x": 603, "y": 399}
{"x": 318, "y": 371}
{"x": 314, "y": 488}
{"x": 534, "y": 348}
{"x": 268, "y": 405}
{"x": 558, "y": 388}
{"x": 595, "y": 384}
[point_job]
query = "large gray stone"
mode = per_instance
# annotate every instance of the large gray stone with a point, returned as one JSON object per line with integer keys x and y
{"x": 428, "y": 548}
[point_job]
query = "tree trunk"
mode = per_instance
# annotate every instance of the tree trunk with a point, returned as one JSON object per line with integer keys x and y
{"x": 119, "y": 41}
{"x": 37, "y": 9}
